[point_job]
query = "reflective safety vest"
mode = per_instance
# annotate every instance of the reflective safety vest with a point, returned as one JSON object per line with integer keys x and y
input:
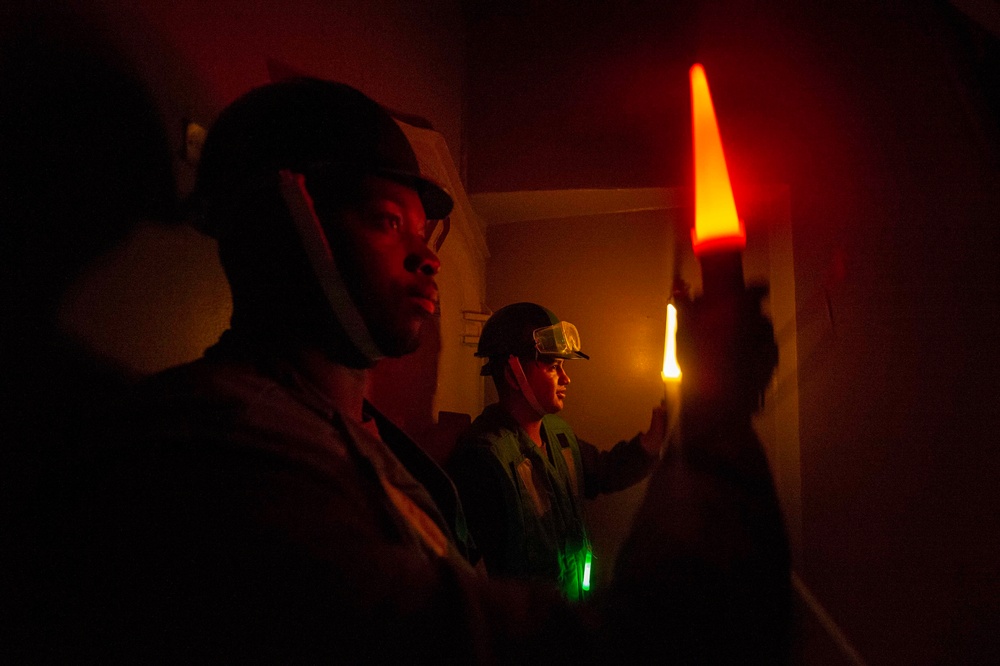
{"x": 547, "y": 537}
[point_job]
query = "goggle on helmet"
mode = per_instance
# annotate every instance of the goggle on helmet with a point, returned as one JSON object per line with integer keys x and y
{"x": 523, "y": 330}
{"x": 561, "y": 340}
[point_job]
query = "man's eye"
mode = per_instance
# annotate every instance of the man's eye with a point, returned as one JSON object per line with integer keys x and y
{"x": 388, "y": 222}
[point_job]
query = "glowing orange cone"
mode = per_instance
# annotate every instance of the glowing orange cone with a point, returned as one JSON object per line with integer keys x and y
{"x": 717, "y": 228}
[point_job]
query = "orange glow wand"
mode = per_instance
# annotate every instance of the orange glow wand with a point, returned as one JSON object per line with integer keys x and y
{"x": 718, "y": 236}
{"x": 671, "y": 370}
{"x": 671, "y": 373}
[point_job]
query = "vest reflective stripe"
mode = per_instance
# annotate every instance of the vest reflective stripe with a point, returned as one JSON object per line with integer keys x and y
{"x": 540, "y": 500}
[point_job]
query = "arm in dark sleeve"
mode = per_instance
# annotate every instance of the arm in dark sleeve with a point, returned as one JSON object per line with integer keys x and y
{"x": 608, "y": 471}
{"x": 706, "y": 569}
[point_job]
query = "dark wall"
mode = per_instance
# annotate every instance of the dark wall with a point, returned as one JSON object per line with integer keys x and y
{"x": 882, "y": 118}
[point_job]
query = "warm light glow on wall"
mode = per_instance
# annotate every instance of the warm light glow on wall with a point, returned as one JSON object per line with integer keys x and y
{"x": 671, "y": 370}
{"x": 717, "y": 226}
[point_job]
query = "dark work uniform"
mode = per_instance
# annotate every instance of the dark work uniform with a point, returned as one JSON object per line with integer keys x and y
{"x": 247, "y": 521}
{"x": 524, "y": 502}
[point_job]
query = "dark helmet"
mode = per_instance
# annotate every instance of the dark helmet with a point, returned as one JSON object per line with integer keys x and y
{"x": 527, "y": 329}
{"x": 304, "y": 124}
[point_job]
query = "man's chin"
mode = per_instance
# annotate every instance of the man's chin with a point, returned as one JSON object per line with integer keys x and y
{"x": 398, "y": 351}
{"x": 402, "y": 341}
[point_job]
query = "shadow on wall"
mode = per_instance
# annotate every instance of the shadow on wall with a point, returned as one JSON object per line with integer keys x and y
{"x": 83, "y": 158}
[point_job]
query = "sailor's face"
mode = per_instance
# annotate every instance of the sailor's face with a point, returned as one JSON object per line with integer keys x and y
{"x": 390, "y": 270}
{"x": 548, "y": 380}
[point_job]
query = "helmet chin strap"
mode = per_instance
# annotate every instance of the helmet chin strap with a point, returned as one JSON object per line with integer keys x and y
{"x": 310, "y": 231}
{"x": 522, "y": 383}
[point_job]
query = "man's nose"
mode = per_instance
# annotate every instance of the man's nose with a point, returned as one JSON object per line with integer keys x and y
{"x": 422, "y": 260}
{"x": 563, "y": 377}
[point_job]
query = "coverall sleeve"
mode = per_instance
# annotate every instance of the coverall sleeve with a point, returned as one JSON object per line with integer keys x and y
{"x": 624, "y": 465}
{"x": 706, "y": 567}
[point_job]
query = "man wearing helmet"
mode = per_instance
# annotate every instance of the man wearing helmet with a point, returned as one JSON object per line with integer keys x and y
{"x": 521, "y": 471}
{"x": 258, "y": 510}
{"x": 261, "y": 509}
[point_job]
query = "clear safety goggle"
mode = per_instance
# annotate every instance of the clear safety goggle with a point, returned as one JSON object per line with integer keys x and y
{"x": 435, "y": 232}
{"x": 560, "y": 339}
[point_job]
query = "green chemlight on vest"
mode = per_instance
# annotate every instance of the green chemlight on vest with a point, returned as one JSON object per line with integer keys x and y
{"x": 586, "y": 570}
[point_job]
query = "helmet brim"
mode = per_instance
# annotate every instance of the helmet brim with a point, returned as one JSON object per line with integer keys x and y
{"x": 438, "y": 204}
